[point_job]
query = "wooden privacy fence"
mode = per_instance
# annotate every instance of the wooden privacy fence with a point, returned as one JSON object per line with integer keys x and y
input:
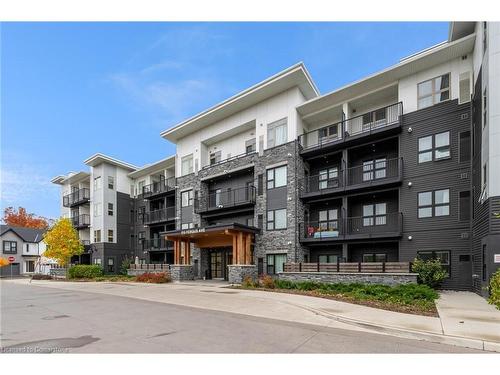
{"x": 372, "y": 267}
{"x": 160, "y": 267}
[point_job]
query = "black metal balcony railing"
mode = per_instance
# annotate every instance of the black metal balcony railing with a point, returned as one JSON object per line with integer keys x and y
{"x": 81, "y": 221}
{"x": 229, "y": 159}
{"x": 158, "y": 188}
{"x": 225, "y": 199}
{"x": 378, "y": 172}
{"x": 157, "y": 244}
{"x": 341, "y": 131}
{"x": 390, "y": 224}
{"x": 79, "y": 196}
{"x": 156, "y": 216}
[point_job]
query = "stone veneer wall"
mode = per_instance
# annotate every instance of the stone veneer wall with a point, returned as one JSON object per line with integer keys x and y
{"x": 181, "y": 272}
{"x": 134, "y": 272}
{"x": 365, "y": 278}
{"x": 238, "y": 272}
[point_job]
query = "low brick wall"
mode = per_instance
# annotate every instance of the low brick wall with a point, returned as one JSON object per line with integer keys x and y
{"x": 364, "y": 278}
{"x": 136, "y": 272}
{"x": 238, "y": 272}
{"x": 181, "y": 272}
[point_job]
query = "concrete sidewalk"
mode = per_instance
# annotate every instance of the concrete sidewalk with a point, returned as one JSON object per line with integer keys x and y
{"x": 480, "y": 330}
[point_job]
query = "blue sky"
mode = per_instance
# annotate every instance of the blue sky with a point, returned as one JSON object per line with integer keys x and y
{"x": 69, "y": 90}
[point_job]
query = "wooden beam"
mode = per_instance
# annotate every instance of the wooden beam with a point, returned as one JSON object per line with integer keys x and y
{"x": 176, "y": 251}
{"x": 235, "y": 249}
{"x": 241, "y": 249}
{"x": 188, "y": 252}
{"x": 248, "y": 249}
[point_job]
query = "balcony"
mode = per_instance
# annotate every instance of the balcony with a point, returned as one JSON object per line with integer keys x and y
{"x": 159, "y": 188}
{"x": 381, "y": 172}
{"x": 352, "y": 228}
{"x": 231, "y": 158}
{"x": 76, "y": 198}
{"x": 157, "y": 216}
{"x": 157, "y": 244}
{"x": 382, "y": 121}
{"x": 81, "y": 221}
{"x": 218, "y": 201}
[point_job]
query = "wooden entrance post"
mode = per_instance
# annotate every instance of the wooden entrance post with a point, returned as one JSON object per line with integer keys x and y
{"x": 235, "y": 249}
{"x": 248, "y": 252}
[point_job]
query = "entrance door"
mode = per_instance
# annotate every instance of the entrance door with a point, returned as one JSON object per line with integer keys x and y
{"x": 216, "y": 266}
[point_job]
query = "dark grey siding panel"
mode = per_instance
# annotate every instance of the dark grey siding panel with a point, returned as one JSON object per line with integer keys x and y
{"x": 446, "y": 233}
{"x": 124, "y": 226}
{"x": 233, "y": 182}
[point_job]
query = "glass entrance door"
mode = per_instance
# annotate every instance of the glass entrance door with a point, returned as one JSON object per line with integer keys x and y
{"x": 216, "y": 266}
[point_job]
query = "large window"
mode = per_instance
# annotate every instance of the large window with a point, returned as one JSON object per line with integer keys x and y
{"x": 30, "y": 266}
{"x": 215, "y": 157}
{"x": 111, "y": 265}
{"x": 110, "y": 209}
{"x": 277, "y": 133}
{"x": 185, "y": 226}
{"x": 97, "y": 235}
{"x": 187, "y": 165}
{"x": 276, "y": 219}
{"x": 187, "y": 198}
{"x": 275, "y": 263}
{"x": 111, "y": 182}
{"x": 97, "y": 209}
{"x": 374, "y": 257}
{"x": 328, "y": 220}
{"x": 434, "y": 203}
{"x": 328, "y": 258}
{"x": 328, "y": 133}
{"x": 329, "y": 178}
{"x": 110, "y": 235}
{"x": 276, "y": 177}
{"x": 10, "y": 247}
{"x": 374, "y": 214}
{"x": 97, "y": 183}
{"x": 140, "y": 186}
{"x": 434, "y": 147}
{"x": 434, "y": 91}
{"x": 374, "y": 169}
{"x": 443, "y": 256}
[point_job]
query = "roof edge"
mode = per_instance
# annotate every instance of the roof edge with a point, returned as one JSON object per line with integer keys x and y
{"x": 94, "y": 158}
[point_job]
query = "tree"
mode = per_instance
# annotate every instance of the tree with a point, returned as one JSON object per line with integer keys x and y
{"x": 20, "y": 218}
{"x": 62, "y": 242}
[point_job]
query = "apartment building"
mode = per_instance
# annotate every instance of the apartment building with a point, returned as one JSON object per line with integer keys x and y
{"x": 395, "y": 166}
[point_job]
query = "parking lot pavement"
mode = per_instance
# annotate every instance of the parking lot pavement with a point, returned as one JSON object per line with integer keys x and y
{"x": 40, "y": 318}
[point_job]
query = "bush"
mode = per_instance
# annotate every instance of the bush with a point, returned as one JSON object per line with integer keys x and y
{"x": 155, "y": 278}
{"x": 126, "y": 262}
{"x": 494, "y": 289}
{"x": 84, "y": 271}
{"x": 248, "y": 282}
{"x": 41, "y": 276}
{"x": 267, "y": 282}
{"x": 430, "y": 272}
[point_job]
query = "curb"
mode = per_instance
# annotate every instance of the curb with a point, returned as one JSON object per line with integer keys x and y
{"x": 465, "y": 342}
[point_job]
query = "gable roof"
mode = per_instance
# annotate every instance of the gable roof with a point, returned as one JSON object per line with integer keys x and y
{"x": 26, "y": 234}
{"x": 294, "y": 76}
{"x": 99, "y": 158}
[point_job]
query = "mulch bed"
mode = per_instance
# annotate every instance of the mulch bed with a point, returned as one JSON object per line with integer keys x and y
{"x": 407, "y": 309}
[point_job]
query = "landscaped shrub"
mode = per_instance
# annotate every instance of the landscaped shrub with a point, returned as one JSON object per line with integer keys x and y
{"x": 494, "y": 289}
{"x": 430, "y": 272}
{"x": 83, "y": 271}
{"x": 155, "y": 278}
{"x": 41, "y": 276}
{"x": 126, "y": 262}
{"x": 267, "y": 282}
{"x": 248, "y": 282}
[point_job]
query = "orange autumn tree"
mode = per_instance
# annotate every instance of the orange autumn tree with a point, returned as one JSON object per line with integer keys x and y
{"x": 62, "y": 242}
{"x": 20, "y": 218}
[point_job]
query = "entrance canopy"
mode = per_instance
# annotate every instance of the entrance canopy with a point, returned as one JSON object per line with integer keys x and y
{"x": 239, "y": 236}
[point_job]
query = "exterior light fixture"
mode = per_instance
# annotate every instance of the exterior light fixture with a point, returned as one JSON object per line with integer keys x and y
{"x": 410, "y": 184}
{"x": 410, "y": 238}
{"x": 410, "y": 129}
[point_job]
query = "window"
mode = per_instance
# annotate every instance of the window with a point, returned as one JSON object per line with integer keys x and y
{"x": 443, "y": 256}
{"x": 485, "y": 108}
{"x": 374, "y": 214}
{"x": 27, "y": 247}
{"x": 250, "y": 222}
{"x": 370, "y": 258}
{"x": 250, "y": 145}
{"x": 328, "y": 258}
{"x": 373, "y": 119}
{"x": 187, "y": 198}
{"x": 329, "y": 132}
{"x": 30, "y": 266}
{"x": 464, "y": 86}
{"x": 260, "y": 184}
{"x": 10, "y": 247}
{"x": 260, "y": 221}
{"x": 97, "y": 183}
{"x": 276, "y": 177}
{"x": 277, "y": 133}
{"x": 141, "y": 236}
{"x": 215, "y": 157}
{"x": 111, "y": 182}
{"x": 97, "y": 209}
{"x": 141, "y": 187}
{"x": 187, "y": 165}
{"x": 464, "y": 144}
{"x": 275, "y": 263}
{"x": 434, "y": 91}
{"x": 97, "y": 261}
{"x": 436, "y": 203}
{"x": 374, "y": 169}
{"x": 217, "y": 197}
{"x": 110, "y": 235}
{"x": 97, "y": 235}
{"x": 434, "y": 147}
{"x": 328, "y": 178}
{"x": 185, "y": 226}
{"x": 110, "y": 209}
{"x": 111, "y": 264}
{"x": 328, "y": 220}
{"x": 464, "y": 205}
{"x": 276, "y": 219}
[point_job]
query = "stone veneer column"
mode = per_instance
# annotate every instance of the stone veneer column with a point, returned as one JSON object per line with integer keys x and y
{"x": 238, "y": 272}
